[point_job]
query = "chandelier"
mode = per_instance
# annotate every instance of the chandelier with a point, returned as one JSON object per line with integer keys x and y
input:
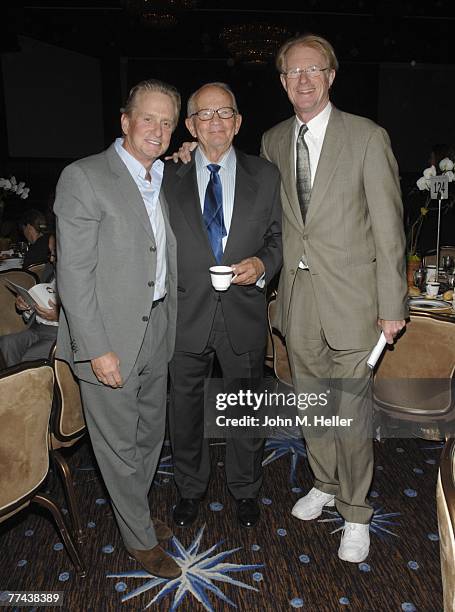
{"x": 253, "y": 44}
{"x": 158, "y": 14}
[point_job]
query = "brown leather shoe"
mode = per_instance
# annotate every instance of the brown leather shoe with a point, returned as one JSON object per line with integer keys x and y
{"x": 162, "y": 531}
{"x": 156, "y": 562}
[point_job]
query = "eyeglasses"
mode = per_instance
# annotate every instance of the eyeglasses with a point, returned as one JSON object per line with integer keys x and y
{"x": 311, "y": 71}
{"x": 205, "y": 114}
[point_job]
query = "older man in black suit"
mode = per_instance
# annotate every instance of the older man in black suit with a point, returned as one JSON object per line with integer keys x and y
{"x": 245, "y": 233}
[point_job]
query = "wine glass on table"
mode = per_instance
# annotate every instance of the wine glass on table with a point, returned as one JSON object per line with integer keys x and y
{"x": 419, "y": 278}
{"x": 448, "y": 263}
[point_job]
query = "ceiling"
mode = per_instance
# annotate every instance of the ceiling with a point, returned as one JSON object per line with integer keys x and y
{"x": 365, "y": 32}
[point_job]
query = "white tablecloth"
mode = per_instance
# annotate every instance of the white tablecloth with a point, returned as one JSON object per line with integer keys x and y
{"x": 7, "y": 264}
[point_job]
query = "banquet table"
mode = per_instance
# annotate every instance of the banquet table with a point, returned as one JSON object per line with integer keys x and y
{"x": 11, "y": 262}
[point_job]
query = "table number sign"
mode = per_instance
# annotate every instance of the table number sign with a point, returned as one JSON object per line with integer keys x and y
{"x": 439, "y": 187}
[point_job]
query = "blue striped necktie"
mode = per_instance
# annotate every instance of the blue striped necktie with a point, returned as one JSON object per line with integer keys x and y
{"x": 213, "y": 212}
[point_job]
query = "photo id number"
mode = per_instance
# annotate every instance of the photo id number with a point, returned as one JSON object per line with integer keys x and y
{"x": 29, "y": 598}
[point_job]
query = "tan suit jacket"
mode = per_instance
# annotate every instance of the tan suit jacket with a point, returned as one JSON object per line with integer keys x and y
{"x": 353, "y": 238}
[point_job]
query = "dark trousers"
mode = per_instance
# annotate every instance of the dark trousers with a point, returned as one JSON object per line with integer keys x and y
{"x": 33, "y": 342}
{"x": 188, "y": 374}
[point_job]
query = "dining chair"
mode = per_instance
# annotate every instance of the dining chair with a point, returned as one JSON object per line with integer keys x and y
{"x": 445, "y": 504}
{"x": 10, "y": 320}
{"x": 67, "y": 427}
{"x": 26, "y": 395}
{"x": 279, "y": 356}
{"x": 38, "y": 269}
{"x": 413, "y": 385}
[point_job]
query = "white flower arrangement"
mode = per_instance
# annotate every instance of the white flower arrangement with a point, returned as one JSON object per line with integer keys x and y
{"x": 12, "y": 187}
{"x": 446, "y": 166}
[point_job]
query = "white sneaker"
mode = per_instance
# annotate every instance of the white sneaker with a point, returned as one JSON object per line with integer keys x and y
{"x": 310, "y": 506}
{"x": 355, "y": 542}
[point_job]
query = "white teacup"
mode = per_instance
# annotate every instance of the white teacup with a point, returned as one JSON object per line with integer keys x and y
{"x": 432, "y": 289}
{"x": 221, "y": 277}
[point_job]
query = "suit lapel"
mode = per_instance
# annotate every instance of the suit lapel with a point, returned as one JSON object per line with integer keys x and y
{"x": 165, "y": 210}
{"x": 171, "y": 245}
{"x": 332, "y": 146}
{"x": 244, "y": 200}
{"x": 286, "y": 164}
{"x": 187, "y": 194}
{"x": 128, "y": 190}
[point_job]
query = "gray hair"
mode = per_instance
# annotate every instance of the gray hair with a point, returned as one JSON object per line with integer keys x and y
{"x": 153, "y": 85}
{"x": 191, "y": 105}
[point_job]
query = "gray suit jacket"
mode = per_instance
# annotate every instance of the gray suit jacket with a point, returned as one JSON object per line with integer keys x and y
{"x": 106, "y": 264}
{"x": 353, "y": 237}
{"x": 255, "y": 231}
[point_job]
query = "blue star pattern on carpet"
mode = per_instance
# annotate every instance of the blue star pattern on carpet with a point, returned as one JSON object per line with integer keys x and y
{"x": 199, "y": 571}
{"x": 377, "y": 525}
{"x": 285, "y": 444}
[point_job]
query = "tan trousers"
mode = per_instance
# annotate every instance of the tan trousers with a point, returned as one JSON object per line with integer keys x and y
{"x": 341, "y": 458}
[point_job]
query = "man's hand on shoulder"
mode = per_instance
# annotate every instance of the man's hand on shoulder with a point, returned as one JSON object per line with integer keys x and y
{"x": 391, "y": 328}
{"x": 107, "y": 370}
{"x": 248, "y": 271}
{"x": 184, "y": 153}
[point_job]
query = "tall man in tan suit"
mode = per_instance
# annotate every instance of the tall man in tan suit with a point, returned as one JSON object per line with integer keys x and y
{"x": 343, "y": 277}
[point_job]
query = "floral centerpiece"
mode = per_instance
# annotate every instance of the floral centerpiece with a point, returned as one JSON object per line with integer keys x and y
{"x": 10, "y": 187}
{"x": 446, "y": 167}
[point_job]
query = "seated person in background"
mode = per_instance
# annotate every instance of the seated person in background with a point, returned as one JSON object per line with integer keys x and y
{"x": 36, "y": 340}
{"x": 33, "y": 226}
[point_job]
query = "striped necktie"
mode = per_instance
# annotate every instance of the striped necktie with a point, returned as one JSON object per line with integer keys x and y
{"x": 303, "y": 173}
{"x": 213, "y": 212}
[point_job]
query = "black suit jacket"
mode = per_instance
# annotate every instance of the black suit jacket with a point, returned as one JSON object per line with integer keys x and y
{"x": 255, "y": 231}
{"x": 38, "y": 252}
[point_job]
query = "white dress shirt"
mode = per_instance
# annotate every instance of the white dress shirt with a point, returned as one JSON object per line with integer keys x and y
{"x": 228, "y": 166}
{"x": 150, "y": 191}
{"x": 314, "y": 138}
{"x": 227, "y": 172}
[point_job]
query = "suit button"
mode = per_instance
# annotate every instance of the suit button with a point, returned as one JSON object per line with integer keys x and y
{"x": 305, "y": 237}
{"x": 291, "y": 272}
{"x": 150, "y": 283}
{"x": 153, "y": 249}
{"x": 144, "y": 318}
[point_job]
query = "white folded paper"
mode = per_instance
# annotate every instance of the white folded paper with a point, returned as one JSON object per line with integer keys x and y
{"x": 377, "y": 351}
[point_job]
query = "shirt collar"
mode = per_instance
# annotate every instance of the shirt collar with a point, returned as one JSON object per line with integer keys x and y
{"x": 318, "y": 124}
{"x": 134, "y": 166}
{"x": 227, "y": 162}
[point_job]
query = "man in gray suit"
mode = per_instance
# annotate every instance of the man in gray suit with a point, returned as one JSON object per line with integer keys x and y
{"x": 231, "y": 325}
{"x": 343, "y": 277}
{"x": 117, "y": 281}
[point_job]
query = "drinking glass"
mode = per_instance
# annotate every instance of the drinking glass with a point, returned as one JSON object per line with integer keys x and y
{"x": 419, "y": 278}
{"x": 22, "y": 248}
{"x": 448, "y": 263}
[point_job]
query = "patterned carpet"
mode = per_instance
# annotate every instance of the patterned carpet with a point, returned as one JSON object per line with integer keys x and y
{"x": 283, "y": 564}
